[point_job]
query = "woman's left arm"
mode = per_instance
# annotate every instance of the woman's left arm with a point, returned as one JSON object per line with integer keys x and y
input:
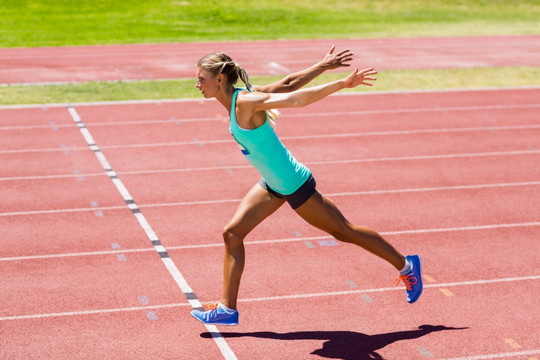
{"x": 250, "y": 103}
{"x": 297, "y": 80}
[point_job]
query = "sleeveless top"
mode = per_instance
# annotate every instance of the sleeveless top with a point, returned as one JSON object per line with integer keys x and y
{"x": 263, "y": 149}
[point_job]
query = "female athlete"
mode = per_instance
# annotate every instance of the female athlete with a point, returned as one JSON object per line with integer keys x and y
{"x": 284, "y": 179}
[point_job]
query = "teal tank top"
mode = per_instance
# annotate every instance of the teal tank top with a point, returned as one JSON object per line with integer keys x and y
{"x": 263, "y": 149}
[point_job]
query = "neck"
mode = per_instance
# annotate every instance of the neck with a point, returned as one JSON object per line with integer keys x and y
{"x": 225, "y": 97}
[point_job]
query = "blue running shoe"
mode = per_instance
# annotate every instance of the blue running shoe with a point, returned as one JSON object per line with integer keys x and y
{"x": 413, "y": 279}
{"x": 217, "y": 315}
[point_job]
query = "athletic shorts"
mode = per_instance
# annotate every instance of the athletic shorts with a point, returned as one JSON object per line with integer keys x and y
{"x": 297, "y": 198}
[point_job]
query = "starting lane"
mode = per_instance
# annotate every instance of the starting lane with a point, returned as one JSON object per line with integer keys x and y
{"x": 261, "y": 272}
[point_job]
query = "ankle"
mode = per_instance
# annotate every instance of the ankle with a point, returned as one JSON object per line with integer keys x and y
{"x": 406, "y": 268}
{"x": 228, "y": 305}
{"x": 228, "y": 309}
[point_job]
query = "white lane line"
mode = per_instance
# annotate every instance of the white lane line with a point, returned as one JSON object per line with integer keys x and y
{"x": 76, "y": 254}
{"x": 61, "y": 211}
{"x": 306, "y": 114}
{"x": 359, "y": 193}
{"x": 351, "y": 292}
{"x": 154, "y": 240}
{"x": 344, "y": 94}
{"x": 273, "y": 298}
{"x": 297, "y": 137}
{"x": 127, "y": 197}
{"x": 309, "y": 163}
{"x": 272, "y": 241}
{"x": 92, "y": 312}
{"x": 47, "y": 177}
{"x": 496, "y": 356}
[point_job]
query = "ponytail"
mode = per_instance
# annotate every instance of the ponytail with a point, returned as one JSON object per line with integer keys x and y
{"x": 221, "y": 63}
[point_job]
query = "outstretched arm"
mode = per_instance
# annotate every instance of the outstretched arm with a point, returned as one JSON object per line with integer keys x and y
{"x": 297, "y": 80}
{"x": 251, "y": 103}
{"x": 261, "y": 101}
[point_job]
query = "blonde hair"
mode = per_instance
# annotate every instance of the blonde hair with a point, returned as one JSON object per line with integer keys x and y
{"x": 220, "y": 63}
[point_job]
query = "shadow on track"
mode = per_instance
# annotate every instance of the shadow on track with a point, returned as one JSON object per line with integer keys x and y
{"x": 345, "y": 345}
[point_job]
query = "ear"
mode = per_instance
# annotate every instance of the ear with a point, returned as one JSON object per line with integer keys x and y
{"x": 220, "y": 78}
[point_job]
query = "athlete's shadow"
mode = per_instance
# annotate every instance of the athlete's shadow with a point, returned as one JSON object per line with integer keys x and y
{"x": 345, "y": 345}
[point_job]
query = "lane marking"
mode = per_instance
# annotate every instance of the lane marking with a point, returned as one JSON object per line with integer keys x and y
{"x": 121, "y": 188}
{"x": 351, "y": 292}
{"x": 328, "y": 242}
{"x": 361, "y": 193}
{"x": 447, "y": 292}
{"x": 288, "y": 138}
{"x": 309, "y": 244}
{"x": 531, "y": 151}
{"x": 203, "y": 101}
{"x": 496, "y": 356}
{"x": 306, "y": 240}
{"x": 220, "y": 118}
{"x": 425, "y": 352}
{"x": 93, "y": 312}
{"x": 154, "y": 240}
{"x": 512, "y": 343}
{"x": 368, "y": 299}
{"x": 263, "y": 299}
{"x": 277, "y": 68}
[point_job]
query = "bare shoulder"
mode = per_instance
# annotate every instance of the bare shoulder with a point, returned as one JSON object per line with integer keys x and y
{"x": 253, "y": 98}
{"x": 247, "y": 115}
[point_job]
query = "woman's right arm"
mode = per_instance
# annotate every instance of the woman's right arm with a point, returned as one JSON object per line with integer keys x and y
{"x": 297, "y": 80}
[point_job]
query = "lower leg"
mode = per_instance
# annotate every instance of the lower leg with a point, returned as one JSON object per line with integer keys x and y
{"x": 321, "y": 212}
{"x": 233, "y": 266}
{"x": 256, "y": 206}
{"x": 373, "y": 242}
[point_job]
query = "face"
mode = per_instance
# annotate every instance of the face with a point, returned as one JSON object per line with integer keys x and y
{"x": 207, "y": 83}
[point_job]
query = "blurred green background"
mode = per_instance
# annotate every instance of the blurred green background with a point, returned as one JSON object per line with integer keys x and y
{"x": 28, "y": 23}
{"x": 83, "y": 22}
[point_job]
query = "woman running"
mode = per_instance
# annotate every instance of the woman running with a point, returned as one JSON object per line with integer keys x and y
{"x": 284, "y": 179}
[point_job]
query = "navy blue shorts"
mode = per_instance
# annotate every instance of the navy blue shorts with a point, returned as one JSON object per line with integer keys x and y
{"x": 297, "y": 198}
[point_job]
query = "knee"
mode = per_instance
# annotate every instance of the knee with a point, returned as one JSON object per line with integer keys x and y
{"x": 232, "y": 238}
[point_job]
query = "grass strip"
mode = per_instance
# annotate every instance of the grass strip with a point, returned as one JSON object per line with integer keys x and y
{"x": 388, "y": 80}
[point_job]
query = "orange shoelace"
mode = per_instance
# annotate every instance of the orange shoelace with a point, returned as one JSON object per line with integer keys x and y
{"x": 408, "y": 280}
{"x": 211, "y": 306}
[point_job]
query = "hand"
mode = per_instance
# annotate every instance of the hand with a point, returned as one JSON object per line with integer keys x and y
{"x": 333, "y": 61}
{"x": 359, "y": 78}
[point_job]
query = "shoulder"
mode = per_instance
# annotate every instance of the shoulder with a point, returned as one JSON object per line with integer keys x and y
{"x": 245, "y": 97}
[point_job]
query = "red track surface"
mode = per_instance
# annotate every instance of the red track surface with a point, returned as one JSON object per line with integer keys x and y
{"x": 453, "y": 176}
{"x": 158, "y": 61}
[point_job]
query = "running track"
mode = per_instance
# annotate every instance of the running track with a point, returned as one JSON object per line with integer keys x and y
{"x": 162, "y": 61}
{"x": 111, "y": 217}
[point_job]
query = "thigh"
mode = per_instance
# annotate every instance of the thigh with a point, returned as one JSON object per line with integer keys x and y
{"x": 322, "y": 213}
{"x": 256, "y": 206}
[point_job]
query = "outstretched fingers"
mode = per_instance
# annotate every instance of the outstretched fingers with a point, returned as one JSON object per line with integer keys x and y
{"x": 366, "y": 75}
{"x": 357, "y": 78}
{"x": 340, "y": 59}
